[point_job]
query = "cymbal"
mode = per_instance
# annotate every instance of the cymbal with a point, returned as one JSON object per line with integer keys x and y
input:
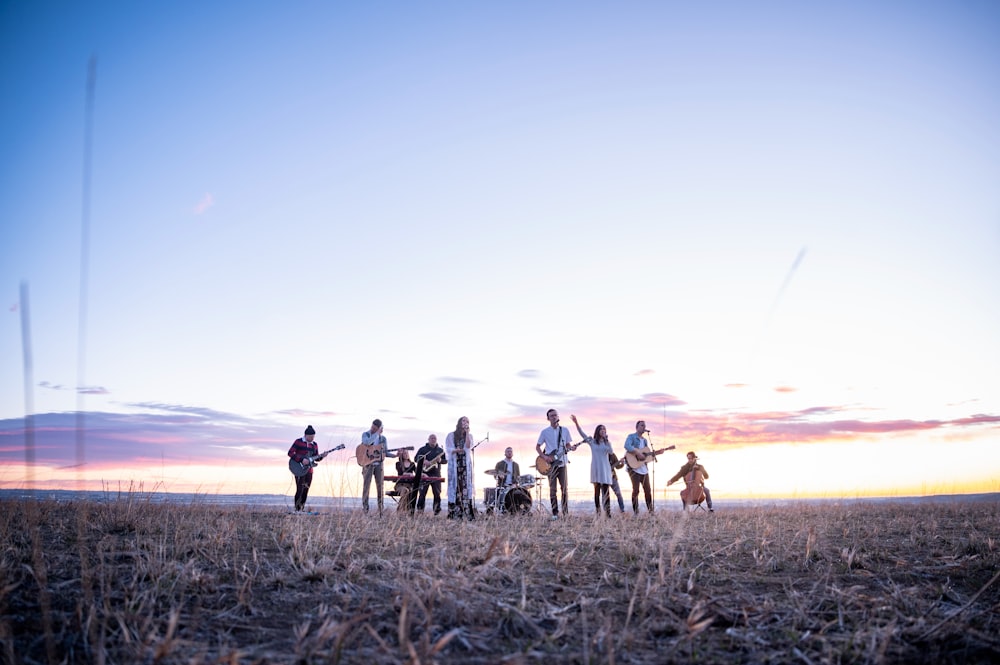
{"x": 490, "y": 472}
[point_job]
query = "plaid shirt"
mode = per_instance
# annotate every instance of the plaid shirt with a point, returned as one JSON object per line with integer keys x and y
{"x": 301, "y": 449}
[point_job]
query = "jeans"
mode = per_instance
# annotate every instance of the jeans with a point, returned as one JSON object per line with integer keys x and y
{"x": 640, "y": 480}
{"x": 374, "y": 469}
{"x": 616, "y": 488}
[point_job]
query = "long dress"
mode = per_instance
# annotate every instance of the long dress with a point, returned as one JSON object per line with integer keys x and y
{"x": 600, "y": 464}
{"x": 467, "y": 492}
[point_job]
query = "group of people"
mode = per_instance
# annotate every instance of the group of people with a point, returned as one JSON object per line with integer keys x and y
{"x": 554, "y": 442}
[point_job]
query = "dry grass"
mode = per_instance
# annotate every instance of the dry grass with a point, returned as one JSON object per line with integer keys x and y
{"x": 136, "y": 582}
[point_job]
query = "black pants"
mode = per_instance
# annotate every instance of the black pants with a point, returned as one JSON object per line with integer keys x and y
{"x": 558, "y": 474}
{"x": 302, "y": 484}
{"x": 640, "y": 480}
{"x": 435, "y": 487}
{"x": 602, "y": 491}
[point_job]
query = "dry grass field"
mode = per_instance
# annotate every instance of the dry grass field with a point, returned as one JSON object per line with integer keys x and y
{"x": 136, "y": 582}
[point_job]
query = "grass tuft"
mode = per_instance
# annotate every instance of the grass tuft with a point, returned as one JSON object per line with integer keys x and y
{"x": 130, "y": 580}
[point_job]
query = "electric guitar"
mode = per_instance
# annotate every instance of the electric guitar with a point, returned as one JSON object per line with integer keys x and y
{"x": 368, "y": 453}
{"x": 299, "y": 469}
{"x": 636, "y": 458}
{"x": 546, "y": 463}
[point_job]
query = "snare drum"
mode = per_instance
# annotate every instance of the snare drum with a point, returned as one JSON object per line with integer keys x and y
{"x": 527, "y": 480}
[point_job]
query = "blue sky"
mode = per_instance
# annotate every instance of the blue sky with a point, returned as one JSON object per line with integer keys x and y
{"x": 770, "y": 229}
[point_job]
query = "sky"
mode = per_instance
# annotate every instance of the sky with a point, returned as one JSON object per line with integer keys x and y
{"x": 771, "y": 230}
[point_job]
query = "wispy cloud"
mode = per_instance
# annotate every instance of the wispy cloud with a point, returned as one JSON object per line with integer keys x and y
{"x": 645, "y": 372}
{"x": 439, "y": 397}
{"x": 83, "y": 390}
{"x": 180, "y": 434}
{"x": 206, "y": 202}
{"x": 823, "y": 423}
{"x": 172, "y": 433}
{"x": 300, "y": 414}
{"x": 529, "y": 374}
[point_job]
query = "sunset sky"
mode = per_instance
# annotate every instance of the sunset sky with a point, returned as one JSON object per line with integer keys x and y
{"x": 770, "y": 229}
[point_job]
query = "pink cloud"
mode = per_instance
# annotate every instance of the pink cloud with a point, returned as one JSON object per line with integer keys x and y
{"x": 302, "y": 413}
{"x": 207, "y": 201}
{"x": 172, "y": 433}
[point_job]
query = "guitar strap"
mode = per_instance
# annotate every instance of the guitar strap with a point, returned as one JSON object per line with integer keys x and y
{"x": 556, "y": 458}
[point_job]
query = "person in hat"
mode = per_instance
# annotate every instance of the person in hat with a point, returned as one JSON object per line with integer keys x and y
{"x": 303, "y": 447}
{"x": 697, "y": 474}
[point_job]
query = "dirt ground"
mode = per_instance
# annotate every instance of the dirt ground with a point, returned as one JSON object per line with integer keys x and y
{"x": 132, "y": 581}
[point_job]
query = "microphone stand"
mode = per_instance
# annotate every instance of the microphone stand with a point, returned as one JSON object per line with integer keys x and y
{"x": 472, "y": 451}
{"x": 652, "y": 472}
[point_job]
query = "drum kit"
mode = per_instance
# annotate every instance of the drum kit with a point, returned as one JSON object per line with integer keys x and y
{"x": 513, "y": 499}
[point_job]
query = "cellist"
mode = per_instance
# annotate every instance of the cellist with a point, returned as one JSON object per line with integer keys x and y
{"x": 694, "y": 475}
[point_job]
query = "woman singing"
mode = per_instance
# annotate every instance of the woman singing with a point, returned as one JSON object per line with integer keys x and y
{"x": 461, "y": 485}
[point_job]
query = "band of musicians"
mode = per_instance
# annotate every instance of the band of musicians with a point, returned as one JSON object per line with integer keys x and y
{"x": 419, "y": 471}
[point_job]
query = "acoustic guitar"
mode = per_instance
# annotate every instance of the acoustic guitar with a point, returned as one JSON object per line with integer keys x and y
{"x": 636, "y": 458}
{"x": 300, "y": 469}
{"x": 372, "y": 452}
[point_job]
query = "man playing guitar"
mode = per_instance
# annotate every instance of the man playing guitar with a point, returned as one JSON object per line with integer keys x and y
{"x": 639, "y": 476}
{"x": 302, "y": 448}
{"x": 553, "y": 442}
{"x": 373, "y": 436}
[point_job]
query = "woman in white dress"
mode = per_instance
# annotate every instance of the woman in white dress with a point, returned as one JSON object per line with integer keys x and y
{"x": 600, "y": 466}
{"x": 461, "y": 480}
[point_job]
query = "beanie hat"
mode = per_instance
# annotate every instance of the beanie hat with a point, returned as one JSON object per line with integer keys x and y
{"x": 310, "y": 430}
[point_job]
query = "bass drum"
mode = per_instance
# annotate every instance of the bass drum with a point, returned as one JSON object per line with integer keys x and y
{"x": 516, "y": 501}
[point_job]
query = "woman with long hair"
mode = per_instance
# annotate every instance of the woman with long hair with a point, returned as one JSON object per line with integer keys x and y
{"x": 461, "y": 482}
{"x": 404, "y": 465}
{"x": 600, "y": 466}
